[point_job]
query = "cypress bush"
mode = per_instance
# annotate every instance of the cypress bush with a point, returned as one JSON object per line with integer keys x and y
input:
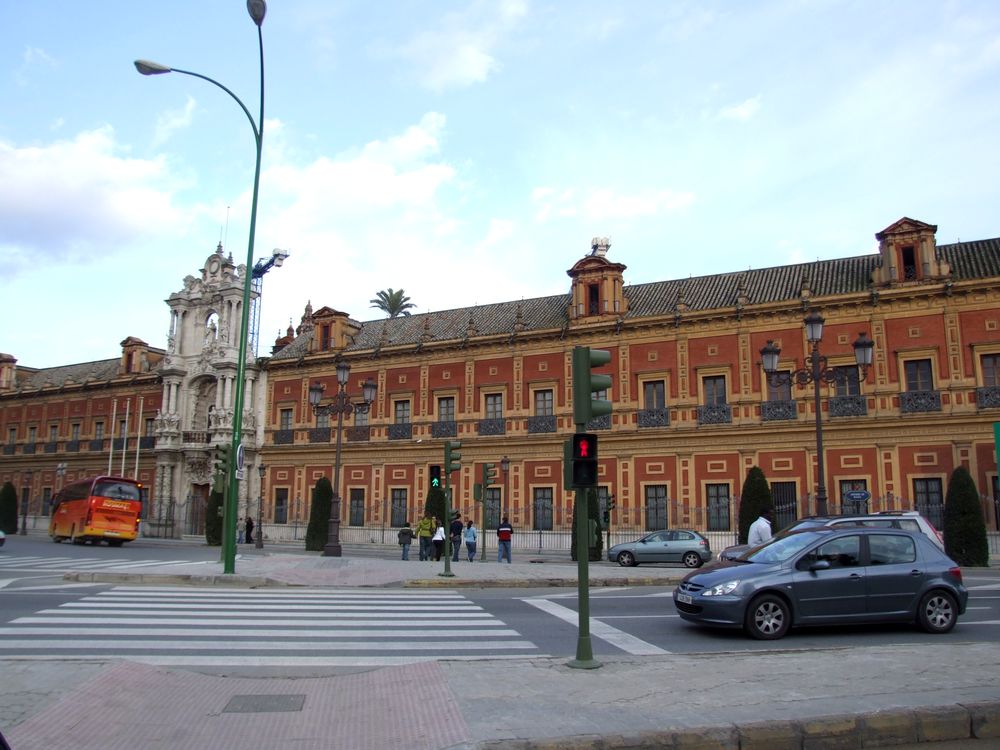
{"x": 319, "y": 515}
{"x": 755, "y": 497}
{"x": 8, "y": 508}
{"x": 213, "y": 519}
{"x": 434, "y": 504}
{"x": 964, "y": 525}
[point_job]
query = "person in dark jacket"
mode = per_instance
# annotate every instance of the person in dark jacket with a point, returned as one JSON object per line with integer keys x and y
{"x": 455, "y": 535}
{"x": 505, "y": 533}
{"x": 248, "y": 526}
{"x": 406, "y": 539}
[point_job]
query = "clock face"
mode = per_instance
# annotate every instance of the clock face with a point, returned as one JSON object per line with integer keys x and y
{"x": 213, "y": 265}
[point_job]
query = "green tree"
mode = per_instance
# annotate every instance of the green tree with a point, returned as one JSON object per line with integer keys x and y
{"x": 393, "y": 302}
{"x": 319, "y": 515}
{"x": 596, "y": 548}
{"x": 8, "y": 508}
{"x": 964, "y": 525}
{"x": 213, "y": 519}
{"x": 434, "y": 504}
{"x": 755, "y": 497}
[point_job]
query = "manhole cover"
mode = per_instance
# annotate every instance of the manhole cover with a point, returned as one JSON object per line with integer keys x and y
{"x": 255, "y": 704}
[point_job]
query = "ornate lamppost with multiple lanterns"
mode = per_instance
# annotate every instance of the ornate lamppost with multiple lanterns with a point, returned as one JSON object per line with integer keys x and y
{"x": 258, "y": 542}
{"x": 340, "y": 405}
{"x": 817, "y": 371}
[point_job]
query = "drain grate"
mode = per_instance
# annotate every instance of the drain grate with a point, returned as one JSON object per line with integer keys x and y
{"x": 258, "y": 704}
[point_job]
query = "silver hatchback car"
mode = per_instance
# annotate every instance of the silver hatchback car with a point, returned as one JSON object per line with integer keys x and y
{"x": 670, "y": 545}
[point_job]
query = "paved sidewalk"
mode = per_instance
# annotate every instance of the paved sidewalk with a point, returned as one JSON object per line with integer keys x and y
{"x": 836, "y": 698}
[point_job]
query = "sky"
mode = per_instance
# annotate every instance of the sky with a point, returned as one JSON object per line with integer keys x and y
{"x": 467, "y": 152}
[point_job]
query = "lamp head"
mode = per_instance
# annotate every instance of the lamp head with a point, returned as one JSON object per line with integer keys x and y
{"x": 343, "y": 372}
{"x": 261, "y": 468}
{"x": 814, "y": 326}
{"x": 279, "y": 256}
{"x": 315, "y": 394}
{"x": 769, "y": 353}
{"x": 257, "y": 10}
{"x": 863, "y": 349}
{"x": 369, "y": 388}
{"x": 149, "y": 68}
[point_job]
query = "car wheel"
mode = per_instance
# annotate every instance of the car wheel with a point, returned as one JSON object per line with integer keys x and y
{"x": 768, "y": 618}
{"x": 938, "y": 612}
{"x": 692, "y": 560}
{"x": 626, "y": 559}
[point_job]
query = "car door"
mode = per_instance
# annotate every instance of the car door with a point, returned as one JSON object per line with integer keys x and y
{"x": 894, "y": 575}
{"x": 680, "y": 542}
{"x": 655, "y": 547}
{"x": 836, "y": 592}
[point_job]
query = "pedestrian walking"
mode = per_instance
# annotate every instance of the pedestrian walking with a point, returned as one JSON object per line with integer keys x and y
{"x": 760, "y": 530}
{"x": 405, "y": 537}
{"x": 438, "y": 540}
{"x": 455, "y": 535}
{"x": 248, "y": 535}
{"x": 505, "y": 533}
{"x": 425, "y": 530}
{"x": 471, "y": 537}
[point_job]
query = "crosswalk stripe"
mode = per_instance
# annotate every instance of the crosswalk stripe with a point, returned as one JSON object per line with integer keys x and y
{"x": 235, "y": 608}
{"x": 448, "y": 646}
{"x": 376, "y": 630}
{"x": 311, "y": 662}
{"x": 626, "y": 642}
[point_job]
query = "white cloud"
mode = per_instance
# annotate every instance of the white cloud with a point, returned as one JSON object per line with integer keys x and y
{"x": 69, "y": 197}
{"x": 460, "y": 52}
{"x": 33, "y": 57}
{"x": 171, "y": 121}
{"x": 742, "y": 111}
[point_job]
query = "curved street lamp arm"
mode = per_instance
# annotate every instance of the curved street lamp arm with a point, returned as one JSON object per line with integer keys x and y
{"x": 257, "y": 133}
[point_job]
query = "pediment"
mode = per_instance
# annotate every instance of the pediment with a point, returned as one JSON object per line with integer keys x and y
{"x": 905, "y": 225}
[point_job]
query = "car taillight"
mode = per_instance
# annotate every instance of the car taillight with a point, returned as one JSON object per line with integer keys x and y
{"x": 956, "y": 572}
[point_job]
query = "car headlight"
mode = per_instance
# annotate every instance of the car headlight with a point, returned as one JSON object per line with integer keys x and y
{"x": 722, "y": 589}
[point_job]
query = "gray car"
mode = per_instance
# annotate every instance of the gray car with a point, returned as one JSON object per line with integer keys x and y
{"x": 670, "y": 545}
{"x": 828, "y": 576}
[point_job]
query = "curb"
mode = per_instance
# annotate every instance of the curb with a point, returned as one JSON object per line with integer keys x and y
{"x": 970, "y": 721}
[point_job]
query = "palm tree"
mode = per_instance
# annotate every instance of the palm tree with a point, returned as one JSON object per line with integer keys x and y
{"x": 393, "y": 301}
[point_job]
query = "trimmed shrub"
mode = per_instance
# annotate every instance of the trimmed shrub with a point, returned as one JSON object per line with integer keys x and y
{"x": 8, "y": 508}
{"x": 755, "y": 497}
{"x": 319, "y": 515}
{"x": 434, "y": 504}
{"x": 964, "y": 525}
{"x": 213, "y": 519}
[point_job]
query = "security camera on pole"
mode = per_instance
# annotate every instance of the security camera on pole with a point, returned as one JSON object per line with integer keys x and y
{"x": 582, "y": 451}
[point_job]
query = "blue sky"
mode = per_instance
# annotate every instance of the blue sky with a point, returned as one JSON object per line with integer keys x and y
{"x": 467, "y": 152}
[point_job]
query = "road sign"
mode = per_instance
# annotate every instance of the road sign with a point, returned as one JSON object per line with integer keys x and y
{"x": 857, "y": 496}
{"x": 239, "y": 458}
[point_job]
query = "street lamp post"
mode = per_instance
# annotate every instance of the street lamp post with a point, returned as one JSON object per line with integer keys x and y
{"x": 259, "y": 541}
{"x": 505, "y": 468}
{"x": 340, "y": 405}
{"x": 818, "y": 371}
{"x": 257, "y": 10}
{"x": 25, "y": 501}
{"x": 60, "y": 477}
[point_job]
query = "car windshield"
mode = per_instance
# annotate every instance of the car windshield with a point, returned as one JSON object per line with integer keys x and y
{"x": 780, "y": 549}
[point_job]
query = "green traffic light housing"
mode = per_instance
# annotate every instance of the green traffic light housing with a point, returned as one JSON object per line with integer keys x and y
{"x": 220, "y": 467}
{"x": 583, "y": 452}
{"x": 587, "y": 383}
{"x": 452, "y": 456}
{"x": 435, "y": 476}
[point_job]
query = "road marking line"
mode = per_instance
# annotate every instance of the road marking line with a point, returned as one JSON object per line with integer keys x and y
{"x": 618, "y": 638}
{"x": 86, "y": 643}
{"x": 377, "y": 630}
{"x": 275, "y": 661}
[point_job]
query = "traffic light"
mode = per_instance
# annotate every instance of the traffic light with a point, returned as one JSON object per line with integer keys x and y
{"x": 489, "y": 475}
{"x": 607, "y": 517}
{"x": 220, "y": 467}
{"x": 584, "y": 455}
{"x": 586, "y": 383}
{"x": 435, "y": 477}
{"x": 452, "y": 456}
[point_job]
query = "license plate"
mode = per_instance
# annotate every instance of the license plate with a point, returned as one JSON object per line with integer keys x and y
{"x": 684, "y": 598}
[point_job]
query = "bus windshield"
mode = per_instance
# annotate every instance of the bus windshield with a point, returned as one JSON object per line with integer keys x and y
{"x": 117, "y": 490}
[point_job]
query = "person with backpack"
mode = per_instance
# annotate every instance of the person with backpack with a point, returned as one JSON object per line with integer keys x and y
{"x": 405, "y": 537}
{"x": 425, "y": 530}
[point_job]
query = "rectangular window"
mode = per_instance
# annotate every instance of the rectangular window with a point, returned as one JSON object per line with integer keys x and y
{"x": 357, "y": 507}
{"x": 281, "y": 505}
{"x": 849, "y": 504}
{"x": 654, "y": 394}
{"x": 398, "y": 516}
{"x": 717, "y": 504}
{"x": 848, "y": 382}
{"x": 401, "y": 412}
{"x": 929, "y": 499}
{"x": 74, "y": 431}
{"x": 543, "y": 403}
{"x": 786, "y": 508}
{"x": 46, "y": 501}
{"x": 285, "y": 419}
{"x": 543, "y": 508}
{"x": 32, "y": 434}
{"x": 11, "y": 435}
{"x": 783, "y": 390}
{"x": 656, "y": 507}
{"x": 492, "y": 507}
{"x": 323, "y": 420}
{"x": 991, "y": 369}
{"x": 918, "y": 375}
{"x": 98, "y": 430}
{"x": 361, "y": 418}
{"x": 715, "y": 390}
{"x": 53, "y": 433}
{"x": 494, "y": 406}
{"x": 446, "y": 409}
{"x": 324, "y": 339}
{"x": 122, "y": 428}
{"x": 603, "y": 496}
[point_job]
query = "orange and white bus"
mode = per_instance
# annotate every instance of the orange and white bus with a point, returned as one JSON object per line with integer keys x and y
{"x": 98, "y": 508}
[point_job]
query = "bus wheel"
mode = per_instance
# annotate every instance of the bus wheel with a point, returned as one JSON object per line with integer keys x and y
{"x": 115, "y": 542}
{"x": 56, "y": 538}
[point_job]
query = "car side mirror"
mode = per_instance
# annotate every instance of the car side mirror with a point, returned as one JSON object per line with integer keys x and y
{"x": 642, "y": 541}
{"x": 820, "y": 565}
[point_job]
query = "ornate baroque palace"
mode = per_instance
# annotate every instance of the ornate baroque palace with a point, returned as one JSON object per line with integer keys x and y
{"x": 693, "y": 409}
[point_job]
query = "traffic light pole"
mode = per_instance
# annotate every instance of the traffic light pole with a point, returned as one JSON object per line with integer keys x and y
{"x": 584, "y": 651}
